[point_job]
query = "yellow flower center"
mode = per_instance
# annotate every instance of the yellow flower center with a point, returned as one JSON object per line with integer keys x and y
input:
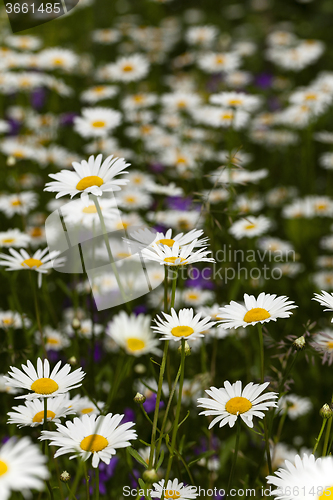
{"x": 192, "y": 296}
{"x": 8, "y": 240}
{"x": 44, "y": 386}
{"x": 328, "y": 492}
{"x": 321, "y": 206}
{"x": 311, "y": 97}
{"x": 39, "y": 417}
{"x": 166, "y": 241}
{"x": 94, "y": 443}
{"x": 90, "y": 210}
{"x": 227, "y": 116}
{"x": 87, "y": 410}
{"x": 172, "y": 494}
{"x": 134, "y": 344}
{"x": 330, "y": 344}
{"x": 53, "y": 341}
{"x": 219, "y": 59}
{"x": 58, "y": 61}
{"x": 250, "y": 226}
{"x": 8, "y": 321}
{"x": 172, "y": 260}
{"x": 130, "y": 199}
{"x": 98, "y": 124}
{"x": 16, "y": 203}
{"x": 146, "y": 129}
{"x": 138, "y": 98}
{"x": 3, "y": 468}
{"x": 127, "y": 68}
{"x": 256, "y": 314}
{"x": 181, "y": 104}
{"x": 238, "y": 405}
{"x": 89, "y": 181}
{"x": 32, "y": 262}
{"x": 123, "y": 255}
{"x": 99, "y": 89}
{"x": 235, "y": 102}
{"x": 182, "y": 331}
{"x": 36, "y": 232}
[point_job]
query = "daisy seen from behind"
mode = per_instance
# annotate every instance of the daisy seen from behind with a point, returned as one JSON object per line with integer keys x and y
{"x": 90, "y": 176}
{"x": 183, "y": 325}
{"x": 88, "y": 435}
{"x": 228, "y": 403}
{"x": 22, "y": 468}
{"x": 43, "y": 382}
{"x": 325, "y": 299}
{"x": 266, "y": 307}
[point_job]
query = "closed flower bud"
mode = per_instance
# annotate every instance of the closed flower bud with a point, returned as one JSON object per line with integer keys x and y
{"x": 326, "y": 411}
{"x": 150, "y": 476}
{"x": 11, "y": 161}
{"x": 76, "y": 324}
{"x": 64, "y": 476}
{"x": 299, "y": 343}
{"x": 72, "y": 361}
{"x": 187, "y": 349}
{"x": 139, "y": 398}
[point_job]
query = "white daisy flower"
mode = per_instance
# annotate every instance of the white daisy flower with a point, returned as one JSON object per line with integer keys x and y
{"x": 14, "y": 238}
{"x": 12, "y": 319}
{"x": 238, "y": 100}
{"x": 98, "y": 93}
{"x": 22, "y": 468}
{"x": 176, "y": 256}
{"x": 96, "y": 122}
{"x": 127, "y": 69}
{"x": 21, "y": 203}
{"x": 88, "y": 435}
{"x": 82, "y": 405}
{"x": 32, "y": 412}
{"x": 148, "y": 237}
{"x": 250, "y": 227}
{"x": 43, "y": 383}
{"x": 266, "y": 307}
{"x": 325, "y": 299}
{"x": 183, "y": 325}
{"x": 194, "y": 296}
{"x": 323, "y": 343}
{"x": 57, "y": 58}
{"x": 230, "y": 402}
{"x": 41, "y": 261}
{"x": 89, "y": 177}
{"x": 294, "y": 405}
{"x": 53, "y": 339}
{"x": 174, "y": 490}
{"x": 215, "y": 62}
{"x": 133, "y": 334}
{"x": 78, "y": 212}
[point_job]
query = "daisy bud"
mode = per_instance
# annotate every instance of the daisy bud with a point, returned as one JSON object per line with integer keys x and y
{"x": 139, "y": 398}
{"x": 150, "y": 476}
{"x": 326, "y": 411}
{"x": 72, "y": 361}
{"x": 64, "y": 476}
{"x": 187, "y": 349}
{"x": 139, "y": 368}
{"x": 11, "y": 161}
{"x": 76, "y": 324}
{"x": 299, "y": 343}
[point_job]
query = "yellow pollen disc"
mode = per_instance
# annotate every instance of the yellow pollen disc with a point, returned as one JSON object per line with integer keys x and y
{"x": 3, "y": 468}
{"x": 127, "y": 68}
{"x": 123, "y": 255}
{"x": 134, "y": 344}
{"x": 32, "y": 262}
{"x": 227, "y": 116}
{"x": 238, "y": 405}
{"x": 181, "y": 104}
{"x": 8, "y": 240}
{"x": 311, "y": 97}
{"x": 330, "y": 345}
{"x": 98, "y": 124}
{"x": 327, "y": 493}
{"x": 219, "y": 59}
{"x": 39, "y": 417}
{"x": 235, "y": 102}
{"x": 181, "y": 159}
{"x": 138, "y": 98}
{"x": 36, "y": 232}
{"x": 130, "y": 199}
{"x": 99, "y": 89}
{"x": 89, "y": 181}
{"x": 16, "y": 203}
{"x": 122, "y": 225}
{"x": 172, "y": 494}
{"x": 182, "y": 331}
{"x": 90, "y": 210}
{"x": 172, "y": 260}
{"x": 166, "y": 241}
{"x": 87, "y": 410}
{"x": 58, "y": 61}
{"x": 44, "y": 386}
{"x": 94, "y": 443}
{"x": 53, "y": 341}
{"x": 250, "y": 226}
{"x": 7, "y": 321}
{"x": 192, "y": 296}
{"x": 321, "y": 206}
{"x": 256, "y": 314}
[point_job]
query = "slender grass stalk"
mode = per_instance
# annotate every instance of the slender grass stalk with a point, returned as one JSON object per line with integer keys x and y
{"x": 87, "y": 480}
{"x": 39, "y": 324}
{"x": 319, "y": 435}
{"x": 234, "y": 458}
{"x": 97, "y": 483}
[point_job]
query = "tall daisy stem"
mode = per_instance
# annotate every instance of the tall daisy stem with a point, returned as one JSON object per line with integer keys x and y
{"x": 87, "y": 481}
{"x": 97, "y": 483}
{"x": 319, "y": 435}
{"x": 39, "y": 324}
{"x": 176, "y": 421}
{"x": 107, "y": 243}
{"x": 262, "y": 377}
{"x": 234, "y": 459}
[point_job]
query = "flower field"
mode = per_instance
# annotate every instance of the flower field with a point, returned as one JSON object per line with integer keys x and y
{"x": 166, "y": 252}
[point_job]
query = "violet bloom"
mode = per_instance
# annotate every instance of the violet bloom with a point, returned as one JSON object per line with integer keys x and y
{"x": 38, "y": 98}
{"x": 179, "y": 203}
{"x": 67, "y": 119}
{"x": 264, "y": 80}
{"x": 149, "y": 404}
{"x": 200, "y": 279}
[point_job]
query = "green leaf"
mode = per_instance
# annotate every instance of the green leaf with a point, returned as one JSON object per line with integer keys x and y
{"x": 160, "y": 460}
{"x": 137, "y": 457}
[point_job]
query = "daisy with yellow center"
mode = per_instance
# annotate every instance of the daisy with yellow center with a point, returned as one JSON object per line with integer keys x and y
{"x": 174, "y": 490}
{"x": 176, "y": 256}
{"x": 42, "y": 382}
{"x": 96, "y": 122}
{"x": 264, "y": 308}
{"x": 323, "y": 343}
{"x": 90, "y": 176}
{"x": 89, "y": 435}
{"x": 41, "y": 261}
{"x": 82, "y": 405}
{"x": 32, "y": 412}
{"x": 133, "y": 334}
{"x": 228, "y": 403}
{"x": 183, "y": 325}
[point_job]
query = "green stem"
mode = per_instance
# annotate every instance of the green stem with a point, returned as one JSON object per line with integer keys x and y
{"x": 107, "y": 243}
{"x": 39, "y": 324}
{"x": 165, "y": 288}
{"x": 97, "y": 483}
{"x": 268, "y": 452}
{"x": 87, "y": 480}
{"x": 327, "y": 435}
{"x": 281, "y": 423}
{"x": 175, "y": 428}
{"x": 70, "y": 492}
{"x": 261, "y": 347}
{"x": 319, "y": 436}
{"x": 234, "y": 459}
